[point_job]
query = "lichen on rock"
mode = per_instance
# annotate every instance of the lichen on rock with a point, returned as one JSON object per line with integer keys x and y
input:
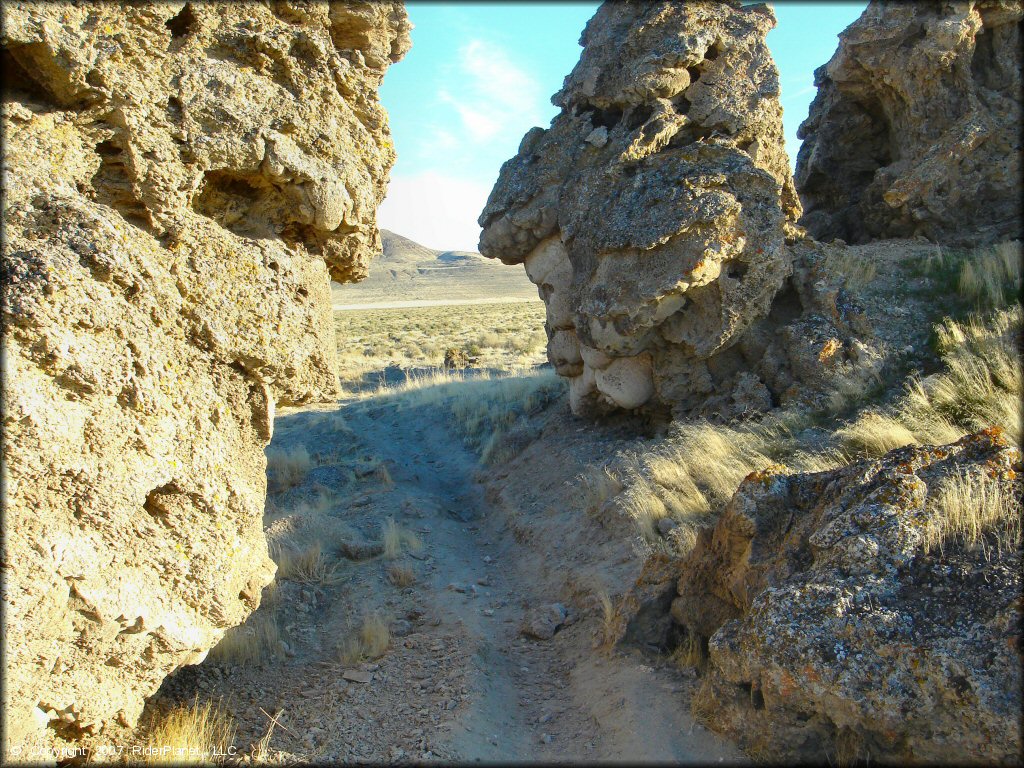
{"x": 838, "y": 627}
{"x": 181, "y": 181}
{"x": 915, "y": 129}
{"x": 652, "y": 214}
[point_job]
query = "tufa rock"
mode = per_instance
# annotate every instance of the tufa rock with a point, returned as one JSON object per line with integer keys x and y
{"x": 181, "y": 180}
{"x": 651, "y": 214}
{"x": 916, "y": 126}
{"x": 841, "y": 624}
{"x": 542, "y": 622}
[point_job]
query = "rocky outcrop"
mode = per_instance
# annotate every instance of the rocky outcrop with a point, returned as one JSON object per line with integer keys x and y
{"x": 652, "y": 214}
{"x": 870, "y": 612}
{"x": 181, "y": 180}
{"x": 916, "y": 126}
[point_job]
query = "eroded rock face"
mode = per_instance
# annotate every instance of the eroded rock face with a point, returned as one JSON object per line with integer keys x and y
{"x": 835, "y": 631}
{"x": 916, "y": 126}
{"x": 181, "y": 180}
{"x": 651, "y": 214}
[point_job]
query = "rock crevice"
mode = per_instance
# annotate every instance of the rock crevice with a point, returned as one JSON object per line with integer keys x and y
{"x": 181, "y": 181}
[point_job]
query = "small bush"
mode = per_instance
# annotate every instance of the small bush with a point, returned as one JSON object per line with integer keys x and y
{"x": 287, "y": 468}
{"x": 254, "y": 642}
{"x": 401, "y": 575}
{"x": 191, "y": 735}
{"x": 306, "y": 565}
{"x": 395, "y": 538}
{"x": 966, "y": 507}
{"x": 369, "y": 642}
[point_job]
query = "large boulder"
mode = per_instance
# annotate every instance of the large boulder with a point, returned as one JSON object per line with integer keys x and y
{"x": 915, "y": 129}
{"x": 181, "y": 179}
{"x": 872, "y": 612}
{"x": 652, "y": 213}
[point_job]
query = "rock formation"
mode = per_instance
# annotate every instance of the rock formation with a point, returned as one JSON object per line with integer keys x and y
{"x": 651, "y": 215}
{"x": 181, "y": 179}
{"x": 846, "y": 622}
{"x": 916, "y": 126}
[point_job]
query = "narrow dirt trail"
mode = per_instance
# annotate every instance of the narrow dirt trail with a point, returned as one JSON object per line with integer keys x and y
{"x": 459, "y": 681}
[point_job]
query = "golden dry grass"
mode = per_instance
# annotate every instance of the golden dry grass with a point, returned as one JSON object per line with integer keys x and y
{"x": 401, "y": 575}
{"x": 966, "y": 507}
{"x": 698, "y": 467}
{"x": 305, "y": 564}
{"x": 875, "y": 434}
{"x": 991, "y": 277}
{"x": 191, "y": 735}
{"x": 980, "y": 386}
{"x": 369, "y": 642}
{"x": 598, "y": 484}
{"x": 396, "y": 539}
{"x": 287, "y": 468}
{"x": 857, "y": 269}
{"x": 690, "y": 654}
{"x": 254, "y": 642}
{"x": 501, "y": 336}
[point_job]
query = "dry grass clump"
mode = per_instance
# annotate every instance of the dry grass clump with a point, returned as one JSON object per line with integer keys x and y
{"x": 856, "y": 270}
{"x": 401, "y": 575}
{"x": 875, "y": 434}
{"x": 966, "y": 507}
{"x": 608, "y": 628}
{"x": 992, "y": 278}
{"x": 369, "y": 642}
{"x": 700, "y": 466}
{"x": 191, "y": 735}
{"x": 395, "y": 539}
{"x": 287, "y": 468}
{"x": 980, "y": 387}
{"x": 690, "y": 654}
{"x": 305, "y": 564}
{"x": 254, "y": 642}
{"x": 598, "y": 484}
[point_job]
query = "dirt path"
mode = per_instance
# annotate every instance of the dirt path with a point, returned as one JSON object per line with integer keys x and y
{"x": 459, "y": 681}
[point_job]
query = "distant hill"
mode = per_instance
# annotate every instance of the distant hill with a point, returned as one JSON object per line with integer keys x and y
{"x": 409, "y": 272}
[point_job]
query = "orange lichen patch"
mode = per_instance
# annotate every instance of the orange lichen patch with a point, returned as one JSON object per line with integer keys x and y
{"x": 829, "y": 349}
{"x": 766, "y": 475}
{"x": 810, "y": 673}
{"x": 787, "y": 684}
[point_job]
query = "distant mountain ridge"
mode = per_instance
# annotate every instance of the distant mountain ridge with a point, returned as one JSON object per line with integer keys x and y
{"x": 408, "y": 271}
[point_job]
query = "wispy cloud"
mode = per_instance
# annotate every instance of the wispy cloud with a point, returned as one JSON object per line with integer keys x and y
{"x": 491, "y": 94}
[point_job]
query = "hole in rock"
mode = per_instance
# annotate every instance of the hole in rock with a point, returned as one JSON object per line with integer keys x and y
{"x": 183, "y": 23}
{"x": 19, "y": 84}
{"x": 113, "y": 186}
{"x": 735, "y": 269}
{"x": 786, "y": 307}
{"x": 609, "y": 117}
{"x": 155, "y": 504}
{"x": 174, "y": 108}
{"x": 638, "y": 116}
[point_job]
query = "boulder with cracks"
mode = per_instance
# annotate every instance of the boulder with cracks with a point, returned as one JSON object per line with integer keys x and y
{"x": 181, "y": 180}
{"x": 915, "y": 129}
{"x": 868, "y": 613}
{"x": 652, "y": 214}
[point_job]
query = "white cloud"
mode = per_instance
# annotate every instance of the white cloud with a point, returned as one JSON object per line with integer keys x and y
{"x": 435, "y": 210}
{"x": 495, "y": 96}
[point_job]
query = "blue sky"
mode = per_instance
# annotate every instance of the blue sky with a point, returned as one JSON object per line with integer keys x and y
{"x": 480, "y": 75}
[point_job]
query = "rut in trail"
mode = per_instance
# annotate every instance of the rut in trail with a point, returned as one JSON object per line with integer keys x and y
{"x": 458, "y": 681}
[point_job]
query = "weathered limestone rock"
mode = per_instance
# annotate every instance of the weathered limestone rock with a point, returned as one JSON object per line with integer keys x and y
{"x": 180, "y": 181}
{"x": 835, "y": 631}
{"x": 651, "y": 215}
{"x": 916, "y": 126}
